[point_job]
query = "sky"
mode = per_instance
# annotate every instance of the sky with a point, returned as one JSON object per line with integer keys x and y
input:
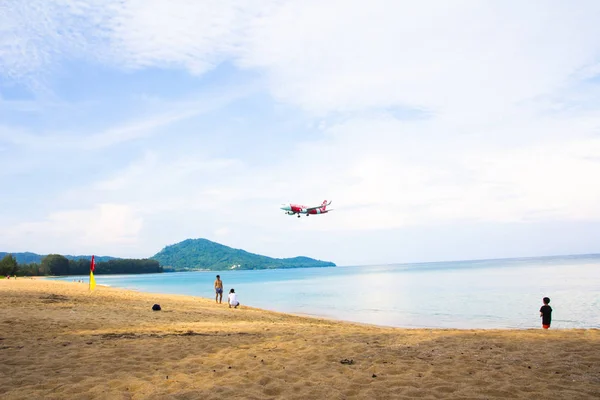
{"x": 439, "y": 130}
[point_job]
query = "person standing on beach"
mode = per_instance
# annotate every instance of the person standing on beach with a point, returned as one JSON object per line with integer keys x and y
{"x": 218, "y": 290}
{"x": 546, "y": 313}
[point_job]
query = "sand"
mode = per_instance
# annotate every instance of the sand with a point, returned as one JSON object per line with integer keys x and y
{"x": 58, "y": 341}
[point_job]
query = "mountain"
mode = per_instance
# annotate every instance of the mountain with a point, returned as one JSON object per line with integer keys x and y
{"x": 194, "y": 254}
{"x": 28, "y": 257}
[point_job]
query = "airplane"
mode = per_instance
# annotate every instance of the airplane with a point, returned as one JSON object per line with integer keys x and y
{"x": 291, "y": 209}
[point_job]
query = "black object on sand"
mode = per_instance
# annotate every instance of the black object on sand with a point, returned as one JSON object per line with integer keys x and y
{"x": 156, "y": 307}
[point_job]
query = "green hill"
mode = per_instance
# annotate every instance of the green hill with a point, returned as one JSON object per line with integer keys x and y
{"x": 194, "y": 254}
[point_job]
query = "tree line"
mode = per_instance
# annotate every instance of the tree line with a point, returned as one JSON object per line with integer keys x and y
{"x": 56, "y": 264}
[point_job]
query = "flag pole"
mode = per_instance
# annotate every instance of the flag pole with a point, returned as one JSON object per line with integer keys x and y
{"x": 92, "y": 280}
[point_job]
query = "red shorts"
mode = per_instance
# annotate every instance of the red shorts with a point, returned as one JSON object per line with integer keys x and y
{"x": 545, "y": 326}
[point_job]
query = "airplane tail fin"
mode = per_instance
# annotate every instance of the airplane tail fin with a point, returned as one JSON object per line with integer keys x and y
{"x": 324, "y": 205}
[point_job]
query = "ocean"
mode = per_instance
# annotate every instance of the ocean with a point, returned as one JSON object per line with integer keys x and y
{"x": 486, "y": 294}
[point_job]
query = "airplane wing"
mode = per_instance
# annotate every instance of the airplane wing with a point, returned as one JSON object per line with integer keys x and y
{"x": 316, "y": 207}
{"x": 312, "y": 208}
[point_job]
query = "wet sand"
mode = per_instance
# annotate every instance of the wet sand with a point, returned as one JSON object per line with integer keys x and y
{"x": 58, "y": 341}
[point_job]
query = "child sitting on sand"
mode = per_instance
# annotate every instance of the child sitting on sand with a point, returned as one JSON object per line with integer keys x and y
{"x": 546, "y": 313}
{"x": 233, "y": 301}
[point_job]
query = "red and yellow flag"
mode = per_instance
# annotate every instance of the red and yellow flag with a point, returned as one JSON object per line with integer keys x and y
{"x": 92, "y": 280}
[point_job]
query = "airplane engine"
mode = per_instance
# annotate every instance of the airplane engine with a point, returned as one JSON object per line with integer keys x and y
{"x": 303, "y": 210}
{"x": 290, "y": 213}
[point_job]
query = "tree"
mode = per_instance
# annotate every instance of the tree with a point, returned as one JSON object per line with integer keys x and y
{"x": 8, "y": 265}
{"x": 55, "y": 264}
{"x": 31, "y": 269}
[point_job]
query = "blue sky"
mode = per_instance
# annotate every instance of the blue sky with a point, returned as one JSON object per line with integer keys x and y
{"x": 440, "y": 131}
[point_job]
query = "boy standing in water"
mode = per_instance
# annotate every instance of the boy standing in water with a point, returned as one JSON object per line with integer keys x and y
{"x": 546, "y": 313}
{"x": 218, "y": 289}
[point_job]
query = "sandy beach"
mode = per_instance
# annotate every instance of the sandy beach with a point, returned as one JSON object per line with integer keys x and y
{"x": 58, "y": 341}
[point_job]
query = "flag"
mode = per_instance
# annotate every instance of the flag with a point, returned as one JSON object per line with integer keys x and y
{"x": 92, "y": 280}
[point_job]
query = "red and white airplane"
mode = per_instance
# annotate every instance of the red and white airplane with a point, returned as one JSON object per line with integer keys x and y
{"x": 291, "y": 209}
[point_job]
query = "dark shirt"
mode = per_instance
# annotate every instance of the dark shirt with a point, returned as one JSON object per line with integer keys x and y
{"x": 546, "y": 311}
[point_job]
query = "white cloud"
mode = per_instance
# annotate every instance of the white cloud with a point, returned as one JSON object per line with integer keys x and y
{"x": 448, "y": 57}
{"x": 92, "y": 141}
{"x": 37, "y": 35}
{"x": 461, "y": 59}
{"x": 196, "y": 35}
{"x": 157, "y": 184}
{"x": 160, "y": 115}
{"x": 103, "y": 227}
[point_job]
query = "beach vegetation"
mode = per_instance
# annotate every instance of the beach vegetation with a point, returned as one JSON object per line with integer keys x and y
{"x": 116, "y": 266}
{"x": 57, "y": 265}
{"x": 8, "y": 265}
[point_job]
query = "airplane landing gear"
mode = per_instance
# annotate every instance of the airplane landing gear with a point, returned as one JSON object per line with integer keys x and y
{"x": 298, "y": 215}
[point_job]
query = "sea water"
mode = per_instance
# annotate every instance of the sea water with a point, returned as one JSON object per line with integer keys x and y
{"x": 463, "y": 294}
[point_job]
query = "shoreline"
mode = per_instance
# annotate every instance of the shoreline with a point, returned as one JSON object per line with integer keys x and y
{"x": 58, "y": 340}
{"x": 320, "y": 316}
{"x": 330, "y": 318}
